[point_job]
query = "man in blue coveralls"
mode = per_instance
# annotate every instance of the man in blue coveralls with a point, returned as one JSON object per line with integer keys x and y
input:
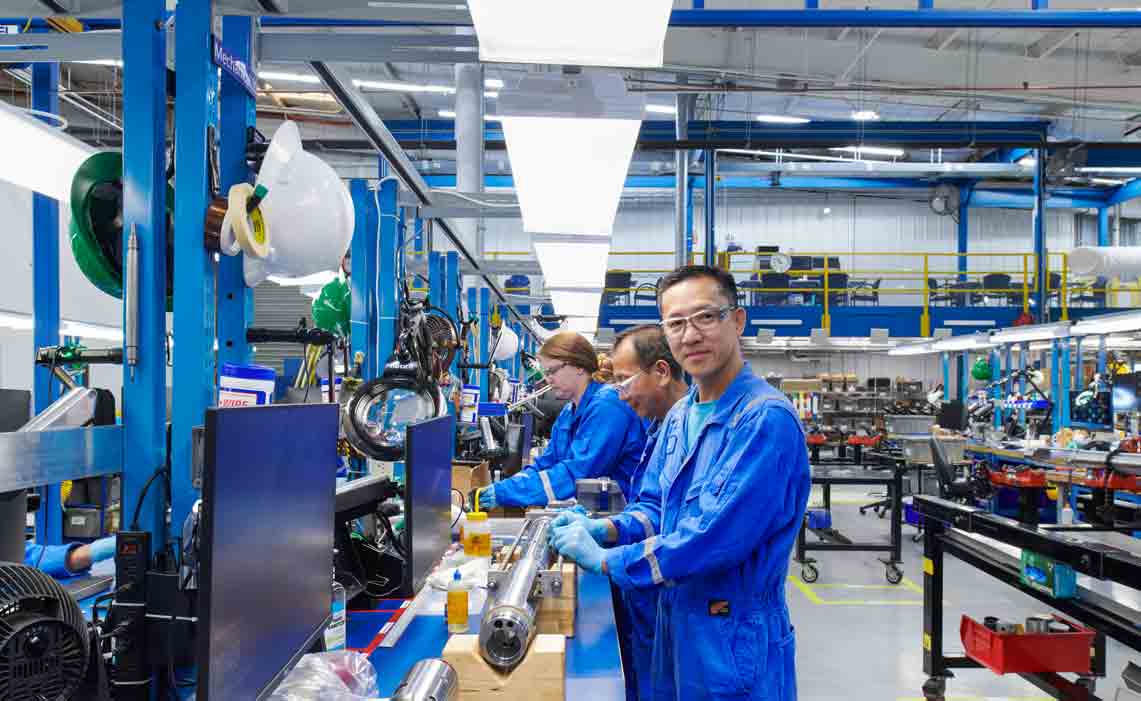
{"x": 650, "y": 380}
{"x": 733, "y": 484}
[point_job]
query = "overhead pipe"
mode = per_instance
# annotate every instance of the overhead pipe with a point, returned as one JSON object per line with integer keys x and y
{"x": 383, "y": 141}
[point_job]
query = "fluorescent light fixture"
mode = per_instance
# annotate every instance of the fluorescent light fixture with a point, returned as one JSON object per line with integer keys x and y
{"x": 397, "y": 86}
{"x": 113, "y": 62}
{"x": 624, "y": 34}
{"x": 962, "y": 343}
{"x": 91, "y": 331}
{"x": 493, "y": 84}
{"x": 316, "y": 279}
{"x": 789, "y": 155}
{"x": 865, "y": 115}
{"x": 575, "y": 303}
{"x": 314, "y": 96}
{"x": 451, "y": 114}
{"x": 16, "y": 322}
{"x": 570, "y": 140}
{"x": 572, "y": 261}
{"x": 289, "y": 77}
{"x": 1113, "y": 170}
{"x": 924, "y": 348}
{"x": 874, "y": 150}
{"x": 38, "y": 156}
{"x": 661, "y": 109}
{"x": 1036, "y": 332}
{"x": 1108, "y": 323}
{"x": 781, "y": 119}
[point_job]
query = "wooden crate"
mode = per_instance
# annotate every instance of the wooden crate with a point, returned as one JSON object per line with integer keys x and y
{"x": 541, "y": 676}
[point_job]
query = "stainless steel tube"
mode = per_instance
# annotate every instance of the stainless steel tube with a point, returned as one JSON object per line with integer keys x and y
{"x": 131, "y": 301}
{"x": 508, "y": 623}
{"x": 429, "y": 680}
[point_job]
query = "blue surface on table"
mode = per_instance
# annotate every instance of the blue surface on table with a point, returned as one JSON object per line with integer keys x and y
{"x": 593, "y": 665}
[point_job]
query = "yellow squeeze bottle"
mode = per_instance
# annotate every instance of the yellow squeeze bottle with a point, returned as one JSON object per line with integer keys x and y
{"x": 457, "y": 607}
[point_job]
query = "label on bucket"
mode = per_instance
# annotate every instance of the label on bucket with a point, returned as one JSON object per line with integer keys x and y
{"x": 240, "y": 397}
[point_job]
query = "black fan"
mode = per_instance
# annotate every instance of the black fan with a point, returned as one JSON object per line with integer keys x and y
{"x": 43, "y": 637}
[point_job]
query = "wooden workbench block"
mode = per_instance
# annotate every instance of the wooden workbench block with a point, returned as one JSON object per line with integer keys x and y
{"x": 541, "y": 676}
{"x": 556, "y": 614}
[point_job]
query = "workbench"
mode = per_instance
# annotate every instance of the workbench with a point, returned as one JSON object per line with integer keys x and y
{"x": 993, "y": 544}
{"x": 593, "y": 662}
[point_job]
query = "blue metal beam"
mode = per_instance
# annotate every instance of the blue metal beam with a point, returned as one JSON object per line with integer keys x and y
{"x": 964, "y": 231}
{"x": 484, "y": 340}
{"x": 1103, "y": 226}
{"x": 1043, "y": 264}
{"x": 1126, "y": 192}
{"x": 1007, "y": 155}
{"x": 386, "y": 281}
{"x": 908, "y": 19}
{"x": 363, "y": 279}
{"x": 1023, "y": 199}
{"x": 144, "y": 213}
{"x": 236, "y": 108}
{"x": 710, "y": 186}
{"x": 194, "y": 371}
{"x": 452, "y": 284}
{"x": 45, "y": 298}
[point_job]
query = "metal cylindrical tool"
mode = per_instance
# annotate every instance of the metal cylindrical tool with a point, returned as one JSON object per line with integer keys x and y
{"x": 429, "y": 680}
{"x": 509, "y": 616}
{"x": 131, "y": 301}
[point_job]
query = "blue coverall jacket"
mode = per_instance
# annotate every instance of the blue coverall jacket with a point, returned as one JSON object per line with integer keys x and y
{"x": 602, "y": 437}
{"x": 724, "y": 524}
{"x": 51, "y": 559}
{"x": 641, "y": 604}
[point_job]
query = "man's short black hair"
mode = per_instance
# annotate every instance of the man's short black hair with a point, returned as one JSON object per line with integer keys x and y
{"x": 724, "y": 280}
{"x": 650, "y": 346}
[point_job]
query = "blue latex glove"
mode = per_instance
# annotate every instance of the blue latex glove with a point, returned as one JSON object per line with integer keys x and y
{"x": 103, "y": 549}
{"x": 568, "y": 516}
{"x": 576, "y": 543}
{"x": 596, "y": 527}
{"x": 487, "y": 498}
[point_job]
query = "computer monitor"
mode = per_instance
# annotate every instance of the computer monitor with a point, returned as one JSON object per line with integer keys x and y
{"x": 1091, "y": 411}
{"x": 1125, "y": 393}
{"x": 427, "y": 497}
{"x": 952, "y": 416}
{"x": 266, "y": 548}
{"x": 800, "y": 264}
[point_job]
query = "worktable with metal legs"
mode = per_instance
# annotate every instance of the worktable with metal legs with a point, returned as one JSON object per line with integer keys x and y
{"x": 992, "y": 544}
{"x": 833, "y": 541}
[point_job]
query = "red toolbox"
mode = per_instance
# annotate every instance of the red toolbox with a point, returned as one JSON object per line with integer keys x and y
{"x": 1028, "y": 653}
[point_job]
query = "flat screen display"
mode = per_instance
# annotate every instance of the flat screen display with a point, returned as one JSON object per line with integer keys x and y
{"x": 427, "y": 497}
{"x": 266, "y": 551}
{"x": 1125, "y": 393}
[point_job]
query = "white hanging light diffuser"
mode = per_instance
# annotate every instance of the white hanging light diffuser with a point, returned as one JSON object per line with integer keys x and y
{"x": 585, "y": 325}
{"x": 570, "y": 139}
{"x": 569, "y": 260}
{"x": 573, "y": 303}
{"x": 38, "y": 156}
{"x": 622, "y": 33}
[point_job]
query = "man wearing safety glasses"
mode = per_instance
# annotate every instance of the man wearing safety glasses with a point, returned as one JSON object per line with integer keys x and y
{"x": 733, "y": 484}
{"x": 650, "y": 380}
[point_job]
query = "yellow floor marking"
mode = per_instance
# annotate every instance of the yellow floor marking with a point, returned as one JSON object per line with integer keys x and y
{"x": 814, "y": 598}
{"x": 912, "y": 585}
{"x": 954, "y": 697}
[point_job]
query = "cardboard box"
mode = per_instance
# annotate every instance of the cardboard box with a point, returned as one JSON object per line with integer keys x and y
{"x": 467, "y": 476}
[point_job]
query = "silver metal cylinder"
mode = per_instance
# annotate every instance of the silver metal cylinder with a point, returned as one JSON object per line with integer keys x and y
{"x": 131, "y": 300}
{"x": 429, "y": 680}
{"x": 508, "y": 623}
{"x": 681, "y": 194}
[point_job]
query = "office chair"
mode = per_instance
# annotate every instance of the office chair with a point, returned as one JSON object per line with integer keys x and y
{"x": 617, "y": 284}
{"x": 862, "y": 291}
{"x": 993, "y": 283}
{"x": 950, "y": 487}
{"x": 935, "y": 296}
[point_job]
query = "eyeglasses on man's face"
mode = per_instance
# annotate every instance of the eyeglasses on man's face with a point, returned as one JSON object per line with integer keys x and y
{"x": 704, "y": 320}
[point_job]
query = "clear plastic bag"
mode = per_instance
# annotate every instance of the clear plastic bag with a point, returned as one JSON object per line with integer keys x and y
{"x": 344, "y": 675}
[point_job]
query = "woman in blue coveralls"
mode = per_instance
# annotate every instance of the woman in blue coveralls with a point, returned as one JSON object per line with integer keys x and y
{"x": 732, "y": 486}
{"x": 595, "y": 435}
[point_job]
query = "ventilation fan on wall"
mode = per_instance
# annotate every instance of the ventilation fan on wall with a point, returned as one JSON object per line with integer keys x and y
{"x": 945, "y": 200}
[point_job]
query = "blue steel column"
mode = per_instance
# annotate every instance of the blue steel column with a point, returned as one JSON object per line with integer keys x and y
{"x": 1041, "y": 295}
{"x": 1056, "y": 386}
{"x": 962, "y": 370}
{"x": 484, "y": 340}
{"x": 1063, "y": 400}
{"x": 689, "y": 219}
{"x": 1008, "y": 366}
{"x": 996, "y": 393}
{"x": 363, "y": 262}
{"x": 436, "y": 285}
{"x": 236, "y": 107}
{"x": 710, "y": 207}
{"x": 452, "y": 284}
{"x": 45, "y": 300}
{"x": 144, "y": 211}
{"x": 194, "y": 371}
{"x": 386, "y": 281}
{"x": 1103, "y": 226}
{"x": 945, "y": 357}
{"x": 1102, "y": 356}
{"x": 964, "y": 232}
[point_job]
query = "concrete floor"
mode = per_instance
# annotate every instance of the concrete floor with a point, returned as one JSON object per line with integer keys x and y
{"x": 860, "y": 638}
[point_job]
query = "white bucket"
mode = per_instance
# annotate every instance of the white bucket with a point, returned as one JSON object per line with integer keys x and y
{"x": 469, "y": 404}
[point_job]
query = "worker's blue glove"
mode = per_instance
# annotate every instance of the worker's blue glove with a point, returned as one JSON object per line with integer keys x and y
{"x": 487, "y": 498}
{"x": 596, "y": 527}
{"x": 575, "y": 542}
{"x": 103, "y": 549}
